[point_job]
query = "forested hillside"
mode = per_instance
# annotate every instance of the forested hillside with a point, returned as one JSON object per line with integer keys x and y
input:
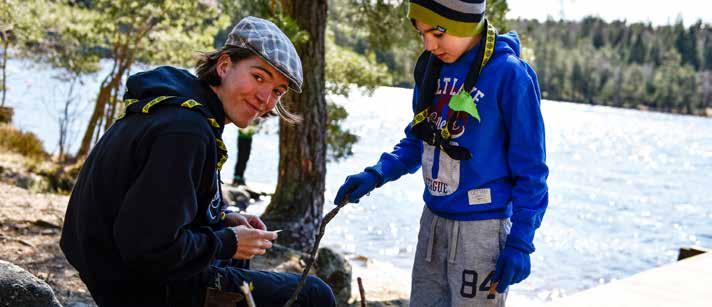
{"x": 631, "y": 65}
{"x": 665, "y": 68}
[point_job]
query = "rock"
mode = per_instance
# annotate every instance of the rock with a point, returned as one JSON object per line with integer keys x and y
{"x": 280, "y": 258}
{"x": 236, "y": 196}
{"x": 20, "y": 288}
{"x": 335, "y": 270}
{"x": 26, "y": 180}
{"x": 330, "y": 266}
{"x": 59, "y": 178}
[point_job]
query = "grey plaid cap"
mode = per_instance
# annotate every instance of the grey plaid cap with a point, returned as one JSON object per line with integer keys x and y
{"x": 269, "y": 42}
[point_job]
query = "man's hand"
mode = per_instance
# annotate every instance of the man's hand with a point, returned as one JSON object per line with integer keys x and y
{"x": 251, "y": 221}
{"x": 251, "y": 241}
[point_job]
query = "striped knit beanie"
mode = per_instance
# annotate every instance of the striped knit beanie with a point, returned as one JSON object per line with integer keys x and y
{"x": 464, "y": 18}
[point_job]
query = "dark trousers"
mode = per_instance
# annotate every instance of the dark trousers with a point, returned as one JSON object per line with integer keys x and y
{"x": 244, "y": 147}
{"x": 274, "y": 289}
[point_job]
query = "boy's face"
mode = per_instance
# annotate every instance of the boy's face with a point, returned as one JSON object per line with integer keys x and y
{"x": 249, "y": 88}
{"x": 448, "y": 48}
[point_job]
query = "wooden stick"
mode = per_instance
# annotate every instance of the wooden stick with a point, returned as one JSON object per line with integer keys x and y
{"x": 18, "y": 240}
{"x": 361, "y": 292}
{"x": 248, "y": 294}
{"x": 312, "y": 255}
{"x": 492, "y": 291}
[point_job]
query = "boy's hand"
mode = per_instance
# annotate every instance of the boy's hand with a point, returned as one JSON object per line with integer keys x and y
{"x": 513, "y": 266}
{"x": 237, "y": 219}
{"x": 251, "y": 242}
{"x": 355, "y": 187}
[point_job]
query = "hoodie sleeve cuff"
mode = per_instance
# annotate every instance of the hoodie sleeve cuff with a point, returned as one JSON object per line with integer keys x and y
{"x": 377, "y": 173}
{"x": 387, "y": 169}
{"x": 521, "y": 238}
{"x": 228, "y": 244}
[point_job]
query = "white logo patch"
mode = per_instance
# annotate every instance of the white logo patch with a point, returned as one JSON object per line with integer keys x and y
{"x": 479, "y": 196}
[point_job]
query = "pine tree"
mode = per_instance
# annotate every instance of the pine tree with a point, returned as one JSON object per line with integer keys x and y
{"x": 637, "y": 51}
{"x": 599, "y": 39}
{"x": 707, "y": 51}
{"x": 692, "y": 56}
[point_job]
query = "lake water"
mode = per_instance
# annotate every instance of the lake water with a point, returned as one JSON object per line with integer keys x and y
{"x": 627, "y": 188}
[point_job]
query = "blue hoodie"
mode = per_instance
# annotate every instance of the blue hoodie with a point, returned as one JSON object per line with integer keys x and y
{"x": 506, "y": 177}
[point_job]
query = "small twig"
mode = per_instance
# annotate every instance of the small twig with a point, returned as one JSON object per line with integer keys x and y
{"x": 492, "y": 291}
{"x": 248, "y": 294}
{"x": 312, "y": 255}
{"x": 361, "y": 292}
{"x": 46, "y": 224}
{"x": 21, "y": 241}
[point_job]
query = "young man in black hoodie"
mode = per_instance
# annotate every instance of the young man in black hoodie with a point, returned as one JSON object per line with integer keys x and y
{"x": 145, "y": 224}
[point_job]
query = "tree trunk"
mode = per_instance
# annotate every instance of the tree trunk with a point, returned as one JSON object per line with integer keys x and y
{"x": 5, "y": 44}
{"x": 93, "y": 121}
{"x": 64, "y": 121}
{"x": 111, "y": 81}
{"x": 297, "y": 204}
{"x": 113, "y": 104}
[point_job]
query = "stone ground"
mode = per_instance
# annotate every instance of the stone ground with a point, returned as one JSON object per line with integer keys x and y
{"x": 29, "y": 237}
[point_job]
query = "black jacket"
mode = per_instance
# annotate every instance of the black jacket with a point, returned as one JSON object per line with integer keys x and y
{"x": 144, "y": 212}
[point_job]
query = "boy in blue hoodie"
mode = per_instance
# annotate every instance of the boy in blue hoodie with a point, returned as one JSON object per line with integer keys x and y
{"x": 478, "y": 135}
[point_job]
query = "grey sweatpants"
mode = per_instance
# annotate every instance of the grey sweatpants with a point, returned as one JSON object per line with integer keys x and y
{"x": 455, "y": 261}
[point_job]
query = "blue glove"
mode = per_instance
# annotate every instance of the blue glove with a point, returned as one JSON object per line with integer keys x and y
{"x": 513, "y": 266}
{"x": 356, "y": 186}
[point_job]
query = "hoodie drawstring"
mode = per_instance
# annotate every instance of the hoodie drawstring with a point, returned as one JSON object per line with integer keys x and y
{"x": 454, "y": 236}
{"x": 431, "y": 240}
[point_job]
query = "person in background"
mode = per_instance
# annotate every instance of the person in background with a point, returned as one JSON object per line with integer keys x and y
{"x": 145, "y": 224}
{"x": 244, "y": 147}
{"x": 478, "y": 136}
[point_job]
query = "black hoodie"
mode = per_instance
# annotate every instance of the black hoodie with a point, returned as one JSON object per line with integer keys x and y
{"x": 145, "y": 208}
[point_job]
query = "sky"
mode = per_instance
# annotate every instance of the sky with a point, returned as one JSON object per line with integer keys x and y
{"x": 658, "y": 12}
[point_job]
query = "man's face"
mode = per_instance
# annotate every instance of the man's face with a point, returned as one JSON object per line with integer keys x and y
{"x": 448, "y": 48}
{"x": 249, "y": 88}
